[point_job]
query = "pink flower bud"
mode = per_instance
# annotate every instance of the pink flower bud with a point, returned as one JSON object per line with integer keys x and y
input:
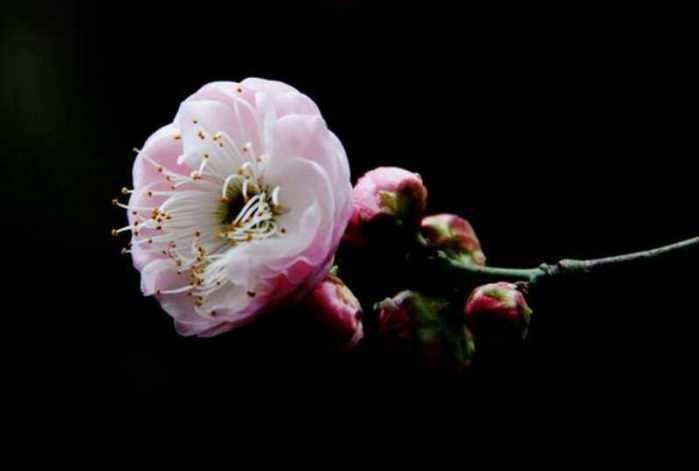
{"x": 385, "y": 192}
{"x": 498, "y": 310}
{"x": 453, "y": 237}
{"x": 412, "y": 322}
{"x": 395, "y": 321}
{"x": 338, "y": 310}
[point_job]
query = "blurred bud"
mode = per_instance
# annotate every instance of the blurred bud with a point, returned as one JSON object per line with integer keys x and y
{"x": 338, "y": 310}
{"x": 414, "y": 323}
{"x": 388, "y": 193}
{"x": 498, "y": 311}
{"x": 395, "y": 321}
{"x": 453, "y": 237}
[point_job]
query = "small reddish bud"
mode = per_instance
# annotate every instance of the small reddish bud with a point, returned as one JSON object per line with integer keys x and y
{"x": 412, "y": 322}
{"x": 385, "y": 193}
{"x": 395, "y": 320}
{"x": 498, "y": 310}
{"x": 453, "y": 237}
{"x": 332, "y": 302}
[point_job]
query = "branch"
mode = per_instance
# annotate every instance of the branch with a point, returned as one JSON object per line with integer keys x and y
{"x": 567, "y": 266}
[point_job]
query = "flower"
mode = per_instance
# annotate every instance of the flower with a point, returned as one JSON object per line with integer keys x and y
{"x": 338, "y": 310}
{"x": 498, "y": 310}
{"x": 414, "y": 322}
{"x": 237, "y": 205}
{"x": 385, "y": 193}
{"x": 453, "y": 237}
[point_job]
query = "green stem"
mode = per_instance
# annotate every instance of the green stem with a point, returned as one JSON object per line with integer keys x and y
{"x": 567, "y": 266}
{"x": 497, "y": 273}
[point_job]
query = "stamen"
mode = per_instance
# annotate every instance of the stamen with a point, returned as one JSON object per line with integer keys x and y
{"x": 202, "y": 166}
{"x": 227, "y": 182}
{"x": 230, "y": 144}
{"x": 177, "y": 290}
{"x": 245, "y": 209}
{"x": 245, "y": 188}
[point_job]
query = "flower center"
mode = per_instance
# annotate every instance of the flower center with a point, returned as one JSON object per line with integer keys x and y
{"x": 247, "y": 208}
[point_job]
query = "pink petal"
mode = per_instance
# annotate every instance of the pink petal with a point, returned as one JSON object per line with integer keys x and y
{"x": 199, "y": 122}
{"x": 286, "y": 99}
{"x": 162, "y": 148}
{"x": 160, "y": 275}
{"x": 308, "y": 137}
{"x": 307, "y": 192}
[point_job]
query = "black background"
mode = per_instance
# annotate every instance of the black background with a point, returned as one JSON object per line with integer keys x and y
{"x": 557, "y": 133}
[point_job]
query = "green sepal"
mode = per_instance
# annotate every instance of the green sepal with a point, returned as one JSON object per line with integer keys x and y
{"x": 434, "y": 325}
{"x": 388, "y": 202}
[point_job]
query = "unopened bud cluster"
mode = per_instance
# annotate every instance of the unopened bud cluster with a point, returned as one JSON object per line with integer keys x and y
{"x": 434, "y": 330}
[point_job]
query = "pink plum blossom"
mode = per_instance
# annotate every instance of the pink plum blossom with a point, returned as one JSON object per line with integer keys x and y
{"x": 237, "y": 205}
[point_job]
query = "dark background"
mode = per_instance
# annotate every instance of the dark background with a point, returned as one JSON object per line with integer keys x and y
{"x": 557, "y": 133}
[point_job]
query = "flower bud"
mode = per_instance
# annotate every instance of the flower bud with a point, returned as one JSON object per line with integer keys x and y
{"x": 388, "y": 193}
{"x": 414, "y": 323}
{"x": 498, "y": 311}
{"x": 395, "y": 321}
{"x": 334, "y": 305}
{"x": 453, "y": 237}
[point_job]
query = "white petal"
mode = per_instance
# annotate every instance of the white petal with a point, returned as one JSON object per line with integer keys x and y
{"x": 308, "y": 194}
{"x": 199, "y": 121}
